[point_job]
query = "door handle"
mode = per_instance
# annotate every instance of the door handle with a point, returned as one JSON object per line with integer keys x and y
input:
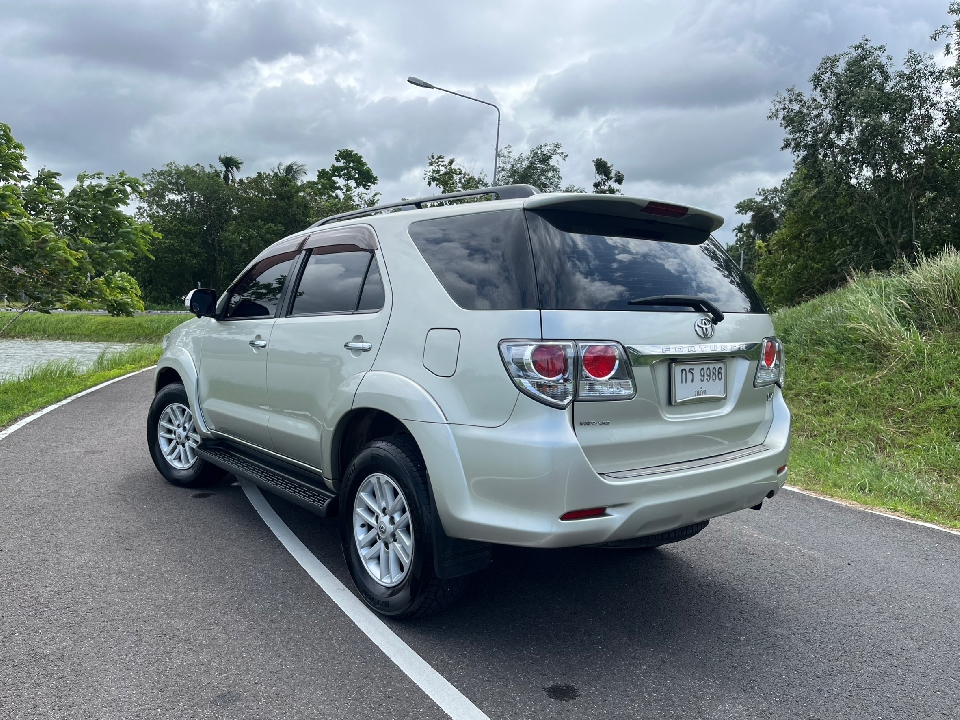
{"x": 258, "y": 344}
{"x": 354, "y": 345}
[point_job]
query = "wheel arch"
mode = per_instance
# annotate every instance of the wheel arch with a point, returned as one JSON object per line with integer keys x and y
{"x": 354, "y": 430}
{"x": 176, "y": 365}
{"x": 165, "y": 376}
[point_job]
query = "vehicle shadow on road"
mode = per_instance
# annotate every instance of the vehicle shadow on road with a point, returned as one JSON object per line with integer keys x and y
{"x": 573, "y": 612}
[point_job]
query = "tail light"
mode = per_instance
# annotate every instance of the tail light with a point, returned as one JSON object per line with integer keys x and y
{"x": 604, "y": 372}
{"x": 556, "y": 372}
{"x": 542, "y": 370}
{"x": 770, "y": 367}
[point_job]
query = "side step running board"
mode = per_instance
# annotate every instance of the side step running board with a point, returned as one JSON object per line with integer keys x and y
{"x": 318, "y": 500}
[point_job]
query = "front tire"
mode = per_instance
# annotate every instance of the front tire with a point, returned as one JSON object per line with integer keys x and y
{"x": 172, "y": 437}
{"x": 386, "y": 528}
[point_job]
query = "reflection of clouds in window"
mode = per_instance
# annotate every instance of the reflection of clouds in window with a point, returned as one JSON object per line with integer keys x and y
{"x": 482, "y": 260}
{"x": 331, "y": 283}
{"x": 578, "y": 270}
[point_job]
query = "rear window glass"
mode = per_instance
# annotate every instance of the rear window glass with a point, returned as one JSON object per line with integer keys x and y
{"x": 590, "y": 262}
{"x": 482, "y": 260}
{"x": 331, "y": 283}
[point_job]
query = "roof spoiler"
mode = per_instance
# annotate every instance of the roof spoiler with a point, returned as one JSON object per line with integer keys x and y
{"x": 623, "y": 206}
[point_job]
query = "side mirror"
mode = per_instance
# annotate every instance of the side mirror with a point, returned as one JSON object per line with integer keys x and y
{"x": 202, "y": 302}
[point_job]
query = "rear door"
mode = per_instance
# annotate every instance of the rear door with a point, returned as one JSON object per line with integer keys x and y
{"x": 695, "y": 396}
{"x": 327, "y": 339}
{"x": 233, "y": 355}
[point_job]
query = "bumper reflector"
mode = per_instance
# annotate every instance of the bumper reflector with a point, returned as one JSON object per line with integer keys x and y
{"x": 781, "y": 469}
{"x": 584, "y": 514}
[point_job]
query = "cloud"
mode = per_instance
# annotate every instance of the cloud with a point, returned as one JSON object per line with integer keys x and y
{"x": 675, "y": 95}
{"x": 194, "y": 39}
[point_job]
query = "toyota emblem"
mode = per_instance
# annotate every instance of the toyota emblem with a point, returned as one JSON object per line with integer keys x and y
{"x": 704, "y": 327}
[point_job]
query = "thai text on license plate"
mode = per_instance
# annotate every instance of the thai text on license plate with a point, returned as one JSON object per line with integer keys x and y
{"x": 693, "y": 382}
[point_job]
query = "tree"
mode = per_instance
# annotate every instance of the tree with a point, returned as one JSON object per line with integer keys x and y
{"x": 607, "y": 177}
{"x": 345, "y": 186}
{"x": 876, "y": 176}
{"x": 295, "y": 171}
{"x": 951, "y": 32}
{"x": 540, "y": 167}
{"x": 191, "y": 206}
{"x": 68, "y": 250}
{"x": 765, "y": 217}
{"x": 214, "y": 222}
{"x": 448, "y": 176}
{"x": 231, "y": 166}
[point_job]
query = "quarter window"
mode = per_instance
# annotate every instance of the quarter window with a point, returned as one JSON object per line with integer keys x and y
{"x": 372, "y": 297}
{"x": 258, "y": 292}
{"x": 483, "y": 260}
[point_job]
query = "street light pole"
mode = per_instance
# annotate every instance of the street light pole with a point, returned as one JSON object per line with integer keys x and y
{"x": 496, "y": 153}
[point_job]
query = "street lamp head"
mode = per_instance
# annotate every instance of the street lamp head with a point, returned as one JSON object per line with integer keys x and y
{"x": 420, "y": 83}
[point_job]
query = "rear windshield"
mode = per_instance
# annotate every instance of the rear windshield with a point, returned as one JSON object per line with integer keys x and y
{"x": 482, "y": 260}
{"x": 591, "y": 262}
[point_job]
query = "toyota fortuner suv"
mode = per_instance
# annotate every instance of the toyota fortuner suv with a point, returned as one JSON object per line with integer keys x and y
{"x": 545, "y": 370}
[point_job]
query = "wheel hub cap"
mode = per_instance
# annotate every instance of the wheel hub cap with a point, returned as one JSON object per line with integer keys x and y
{"x": 177, "y": 436}
{"x": 382, "y": 529}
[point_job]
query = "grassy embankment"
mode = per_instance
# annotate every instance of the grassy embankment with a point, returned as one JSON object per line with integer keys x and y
{"x": 47, "y": 383}
{"x": 92, "y": 328}
{"x": 873, "y": 379}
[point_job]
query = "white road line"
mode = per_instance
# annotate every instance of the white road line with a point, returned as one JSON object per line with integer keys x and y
{"x": 40, "y": 413}
{"x": 451, "y": 701}
{"x": 871, "y": 510}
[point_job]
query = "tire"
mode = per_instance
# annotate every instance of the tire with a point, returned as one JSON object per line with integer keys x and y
{"x": 393, "y": 588}
{"x": 183, "y": 467}
{"x": 648, "y": 542}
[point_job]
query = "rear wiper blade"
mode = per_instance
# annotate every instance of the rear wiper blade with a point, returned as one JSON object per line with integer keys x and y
{"x": 690, "y": 301}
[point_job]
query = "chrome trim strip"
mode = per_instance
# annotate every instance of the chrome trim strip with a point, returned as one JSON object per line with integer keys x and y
{"x": 687, "y": 464}
{"x": 284, "y": 458}
{"x": 642, "y": 355}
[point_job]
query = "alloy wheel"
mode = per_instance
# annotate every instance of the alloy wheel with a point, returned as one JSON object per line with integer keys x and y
{"x": 177, "y": 436}
{"x": 382, "y": 529}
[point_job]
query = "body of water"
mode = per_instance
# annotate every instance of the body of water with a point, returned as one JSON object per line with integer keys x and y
{"x": 17, "y": 355}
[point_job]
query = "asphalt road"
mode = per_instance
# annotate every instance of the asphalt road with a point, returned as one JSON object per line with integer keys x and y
{"x": 124, "y": 597}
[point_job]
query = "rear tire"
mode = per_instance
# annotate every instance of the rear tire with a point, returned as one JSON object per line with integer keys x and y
{"x": 172, "y": 438}
{"x": 386, "y": 513}
{"x": 648, "y": 542}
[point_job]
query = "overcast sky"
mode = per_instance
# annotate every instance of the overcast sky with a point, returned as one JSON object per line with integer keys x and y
{"x": 675, "y": 93}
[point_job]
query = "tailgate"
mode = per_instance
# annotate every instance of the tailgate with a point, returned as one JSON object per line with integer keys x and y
{"x": 650, "y": 429}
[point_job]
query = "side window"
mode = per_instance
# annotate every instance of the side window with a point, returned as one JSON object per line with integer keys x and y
{"x": 483, "y": 260}
{"x": 258, "y": 292}
{"x": 331, "y": 282}
{"x": 372, "y": 297}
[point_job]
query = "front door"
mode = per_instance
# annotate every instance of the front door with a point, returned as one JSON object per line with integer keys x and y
{"x": 330, "y": 338}
{"x": 233, "y": 356}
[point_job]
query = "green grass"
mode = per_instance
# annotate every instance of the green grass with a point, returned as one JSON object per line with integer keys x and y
{"x": 47, "y": 383}
{"x": 873, "y": 380}
{"x": 92, "y": 328}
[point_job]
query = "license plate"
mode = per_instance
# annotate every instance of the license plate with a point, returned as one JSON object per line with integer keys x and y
{"x": 697, "y": 381}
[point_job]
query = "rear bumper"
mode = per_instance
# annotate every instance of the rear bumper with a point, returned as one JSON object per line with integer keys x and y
{"x": 522, "y": 476}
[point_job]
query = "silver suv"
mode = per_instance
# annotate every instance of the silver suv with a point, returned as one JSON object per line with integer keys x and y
{"x": 545, "y": 370}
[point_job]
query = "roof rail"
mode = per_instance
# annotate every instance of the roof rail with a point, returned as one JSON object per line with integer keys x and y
{"x": 503, "y": 192}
